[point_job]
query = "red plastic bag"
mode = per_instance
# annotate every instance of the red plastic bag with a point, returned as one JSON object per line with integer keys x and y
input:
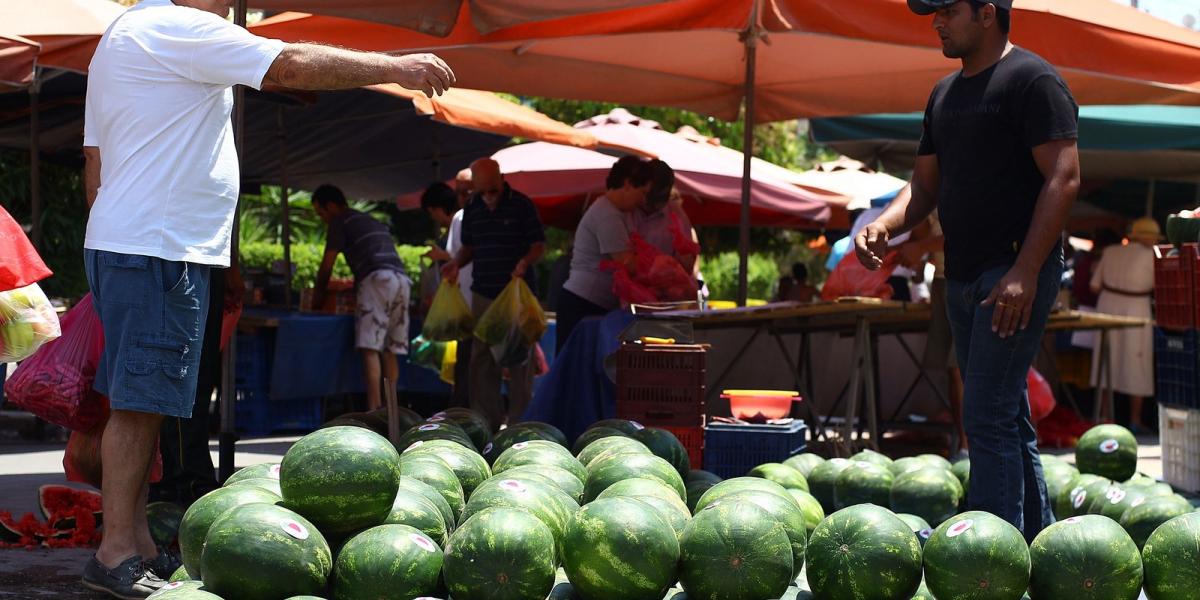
{"x": 21, "y": 264}
{"x": 851, "y": 278}
{"x": 681, "y": 241}
{"x": 55, "y": 382}
{"x": 229, "y": 323}
{"x": 653, "y": 277}
{"x": 82, "y": 462}
{"x": 1041, "y": 397}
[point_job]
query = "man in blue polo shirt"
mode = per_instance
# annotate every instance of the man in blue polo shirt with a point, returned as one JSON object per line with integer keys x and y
{"x": 502, "y": 237}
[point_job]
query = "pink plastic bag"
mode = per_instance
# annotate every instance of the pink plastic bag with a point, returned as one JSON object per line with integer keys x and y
{"x": 1041, "y": 397}
{"x": 851, "y": 278}
{"x": 55, "y": 382}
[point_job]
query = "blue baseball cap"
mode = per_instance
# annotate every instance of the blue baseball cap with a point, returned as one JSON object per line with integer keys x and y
{"x": 928, "y": 7}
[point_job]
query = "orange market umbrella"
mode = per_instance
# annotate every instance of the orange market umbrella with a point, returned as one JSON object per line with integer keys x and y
{"x": 18, "y": 56}
{"x": 68, "y": 30}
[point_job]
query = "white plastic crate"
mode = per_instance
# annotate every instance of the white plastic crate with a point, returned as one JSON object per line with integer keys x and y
{"x": 1179, "y": 431}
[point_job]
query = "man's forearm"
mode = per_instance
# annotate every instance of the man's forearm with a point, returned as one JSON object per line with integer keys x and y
{"x": 464, "y": 257}
{"x": 909, "y": 209}
{"x": 317, "y": 67}
{"x": 1049, "y": 217}
{"x": 91, "y": 173}
{"x": 536, "y": 252}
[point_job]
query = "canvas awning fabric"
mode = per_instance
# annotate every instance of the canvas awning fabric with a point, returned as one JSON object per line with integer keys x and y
{"x": 67, "y": 30}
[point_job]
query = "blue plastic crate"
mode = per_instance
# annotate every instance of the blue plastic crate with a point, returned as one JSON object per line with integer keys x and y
{"x": 1175, "y": 362}
{"x": 732, "y": 450}
{"x": 253, "y": 361}
{"x": 258, "y": 414}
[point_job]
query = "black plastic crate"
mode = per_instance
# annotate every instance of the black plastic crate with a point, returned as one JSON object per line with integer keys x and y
{"x": 732, "y": 450}
{"x": 1175, "y": 372}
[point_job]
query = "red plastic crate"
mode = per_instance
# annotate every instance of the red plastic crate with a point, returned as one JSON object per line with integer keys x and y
{"x": 692, "y": 439}
{"x": 661, "y": 385}
{"x": 1176, "y": 297}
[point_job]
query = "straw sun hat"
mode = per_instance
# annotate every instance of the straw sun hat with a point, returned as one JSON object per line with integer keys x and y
{"x": 1145, "y": 229}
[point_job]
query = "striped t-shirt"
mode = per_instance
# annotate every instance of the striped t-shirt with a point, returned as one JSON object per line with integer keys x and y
{"x": 366, "y": 243}
{"x": 499, "y": 239}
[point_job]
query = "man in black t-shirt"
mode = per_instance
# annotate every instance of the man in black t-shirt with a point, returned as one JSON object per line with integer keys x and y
{"x": 999, "y": 160}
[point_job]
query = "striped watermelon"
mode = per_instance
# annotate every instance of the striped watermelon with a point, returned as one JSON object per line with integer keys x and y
{"x": 545, "y": 430}
{"x": 1086, "y": 557}
{"x": 613, "y": 442}
{"x": 782, "y": 474}
{"x": 536, "y": 499}
{"x": 740, "y": 484}
{"x": 863, "y": 553}
{"x": 260, "y": 470}
{"x": 1058, "y": 475}
{"x": 562, "y": 479}
{"x": 1064, "y": 504}
{"x": 1098, "y": 496}
{"x": 164, "y": 519}
{"x": 787, "y": 513}
{"x": 262, "y": 551}
{"x": 620, "y": 548}
{"x": 665, "y": 445}
{"x": 932, "y": 494}
{"x": 180, "y": 574}
{"x": 539, "y": 452}
{"x": 977, "y": 554}
{"x": 702, "y": 475}
{"x": 813, "y": 513}
{"x": 863, "y": 483}
{"x": 593, "y": 434}
{"x": 500, "y": 554}
{"x": 1142, "y": 520}
{"x": 627, "y": 427}
{"x": 872, "y": 457}
{"x": 676, "y": 515}
{"x": 388, "y": 561}
{"x": 1171, "y": 559}
{"x": 416, "y": 486}
{"x": 1121, "y": 500}
{"x": 641, "y": 486}
{"x": 416, "y": 511}
{"x": 735, "y": 549}
{"x": 200, "y": 516}
{"x": 923, "y": 593}
{"x": 509, "y": 436}
{"x": 962, "y": 470}
{"x": 822, "y": 480}
{"x": 920, "y": 527}
{"x": 804, "y": 463}
{"x": 440, "y": 477}
{"x": 936, "y": 461}
{"x": 1109, "y": 451}
{"x": 695, "y": 490}
{"x": 473, "y": 423}
{"x": 184, "y": 590}
{"x": 267, "y": 484}
{"x": 469, "y": 467}
{"x": 605, "y": 473}
{"x": 906, "y": 464}
{"x": 343, "y": 479}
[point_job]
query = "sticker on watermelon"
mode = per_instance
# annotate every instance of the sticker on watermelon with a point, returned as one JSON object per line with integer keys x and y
{"x": 512, "y": 485}
{"x": 1116, "y": 496}
{"x": 520, "y": 445}
{"x": 1080, "y": 499}
{"x": 273, "y": 472}
{"x": 960, "y": 528}
{"x": 436, "y": 419}
{"x": 425, "y": 543}
{"x": 1109, "y": 446}
{"x": 487, "y": 448}
{"x": 925, "y": 533}
{"x": 429, "y": 427}
{"x": 440, "y": 414}
{"x": 174, "y": 585}
{"x": 1138, "y": 502}
{"x": 294, "y": 529}
{"x": 637, "y": 426}
{"x": 1073, "y": 520}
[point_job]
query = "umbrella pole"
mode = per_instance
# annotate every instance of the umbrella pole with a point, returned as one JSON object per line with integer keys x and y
{"x": 35, "y": 158}
{"x": 228, "y": 437}
{"x": 286, "y": 208}
{"x": 751, "y": 41}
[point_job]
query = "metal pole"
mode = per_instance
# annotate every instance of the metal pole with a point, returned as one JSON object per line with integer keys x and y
{"x": 751, "y": 41}
{"x": 35, "y": 158}
{"x": 286, "y": 229}
{"x": 228, "y": 437}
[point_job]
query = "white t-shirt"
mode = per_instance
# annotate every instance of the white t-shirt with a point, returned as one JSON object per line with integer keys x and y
{"x": 159, "y": 100}
{"x": 603, "y": 232}
{"x": 453, "y": 245}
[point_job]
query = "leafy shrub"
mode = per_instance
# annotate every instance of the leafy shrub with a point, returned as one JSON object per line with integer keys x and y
{"x": 721, "y": 275}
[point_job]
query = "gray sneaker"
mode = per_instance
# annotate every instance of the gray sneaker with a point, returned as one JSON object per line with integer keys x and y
{"x": 129, "y": 580}
{"x": 164, "y": 565}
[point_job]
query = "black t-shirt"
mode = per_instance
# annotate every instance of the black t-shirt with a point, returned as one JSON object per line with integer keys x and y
{"x": 983, "y": 129}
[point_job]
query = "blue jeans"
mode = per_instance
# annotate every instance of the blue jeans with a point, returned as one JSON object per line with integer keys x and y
{"x": 1006, "y": 468}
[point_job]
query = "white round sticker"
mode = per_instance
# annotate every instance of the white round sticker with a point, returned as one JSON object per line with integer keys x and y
{"x": 416, "y": 444}
{"x": 925, "y": 533}
{"x": 294, "y": 529}
{"x": 174, "y": 585}
{"x": 440, "y": 414}
{"x": 1138, "y": 502}
{"x": 1073, "y": 520}
{"x": 512, "y": 485}
{"x": 436, "y": 419}
{"x": 1109, "y": 446}
{"x": 273, "y": 472}
{"x": 429, "y": 427}
{"x": 521, "y": 445}
{"x": 637, "y": 426}
{"x": 1080, "y": 499}
{"x": 960, "y": 528}
{"x": 487, "y": 448}
{"x": 425, "y": 543}
{"x": 1117, "y": 495}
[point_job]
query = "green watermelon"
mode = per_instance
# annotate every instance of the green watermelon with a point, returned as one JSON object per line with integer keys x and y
{"x": 440, "y": 477}
{"x": 739, "y": 484}
{"x": 388, "y": 561}
{"x": 369, "y": 421}
{"x": 695, "y": 489}
{"x": 536, "y": 499}
{"x": 1143, "y": 519}
{"x": 470, "y": 468}
{"x": 180, "y": 574}
{"x": 735, "y": 550}
{"x": 200, "y": 516}
{"x": 920, "y": 527}
{"x": 977, "y": 554}
{"x": 1140, "y": 480}
{"x": 1171, "y": 559}
{"x": 923, "y": 593}
{"x": 1086, "y": 557}
{"x": 547, "y": 431}
{"x": 1083, "y": 493}
{"x": 629, "y": 466}
{"x": 1098, "y": 496}
{"x": 568, "y": 503}
{"x": 594, "y": 434}
{"x": 676, "y": 515}
{"x": 627, "y": 427}
{"x": 962, "y": 470}
{"x": 1109, "y": 451}
{"x": 435, "y": 431}
{"x": 863, "y": 483}
{"x": 561, "y": 478}
{"x": 873, "y": 457}
{"x": 260, "y": 470}
{"x": 473, "y": 423}
{"x": 416, "y": 511}
{"x": 781, "y": 474}
{"x": 930, "y": 493}
{"x": 906, "y": 464}
{"x": 936, "y": 461}
{"x": 1120, "y": 500}
{"x": 416, "y": 486}
{"x": 264, "y": 551}
{"x": 787, "y": 513}
{"x": 1064, "y": 504}
{"x": 509, "y": 436}
{"x": 822, "y": 480}
{"x": 164, "y": 519}
{"x": 804, "y": 463}
{"x": 641, "y": 486}
{"x": 184, "y": 590}
{"x": 665, "y": 445}
{"x": 813, "y": 513}
{"x": 268, "y": 484}
{"x": 407, "y": 416}
{"x": 862, "y": 553}
{"x": 702, "y": 475}
{"x": 613, "y": 442}
{"x": 521, "y": 474}
{"x": 342, "y": 478}
{"x": 500, "y": 554}
{"x": 1058, "y": 475}
{"x": 539, "y": 453}
{"x": 620, "y": 548}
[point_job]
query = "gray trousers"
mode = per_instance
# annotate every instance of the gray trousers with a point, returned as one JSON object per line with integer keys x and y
{"x": 486, "y": 377}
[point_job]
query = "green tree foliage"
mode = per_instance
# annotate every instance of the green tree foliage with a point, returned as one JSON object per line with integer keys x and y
{"x": 64, "y": 218}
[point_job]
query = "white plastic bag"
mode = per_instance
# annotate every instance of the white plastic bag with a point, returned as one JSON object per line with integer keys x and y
{"x": 27, "y": 320}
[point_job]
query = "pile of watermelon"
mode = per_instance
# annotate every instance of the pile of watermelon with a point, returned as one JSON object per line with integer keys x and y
{"x": 460, "y": 511}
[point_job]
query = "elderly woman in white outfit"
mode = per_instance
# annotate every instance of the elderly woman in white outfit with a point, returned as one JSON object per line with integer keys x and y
{"x": 1125, "y": 281}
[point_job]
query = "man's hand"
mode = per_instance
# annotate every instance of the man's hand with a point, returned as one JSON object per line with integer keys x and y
{"x": 1013, "y": 298}
{"x": 520, "y": 269}
{"x": 424, "y": 72}
{"x": 871, "y": 245}
{"x": 450, "y": 272}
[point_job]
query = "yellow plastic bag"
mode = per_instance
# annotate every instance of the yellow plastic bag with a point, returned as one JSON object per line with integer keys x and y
{"x": 512, "y": 324}
{"x": 449, "y": 317}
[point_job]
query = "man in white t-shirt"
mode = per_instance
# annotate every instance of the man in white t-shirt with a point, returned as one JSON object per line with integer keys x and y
{"x": 162, "y": 182}
{"x": 464, "y": 187}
